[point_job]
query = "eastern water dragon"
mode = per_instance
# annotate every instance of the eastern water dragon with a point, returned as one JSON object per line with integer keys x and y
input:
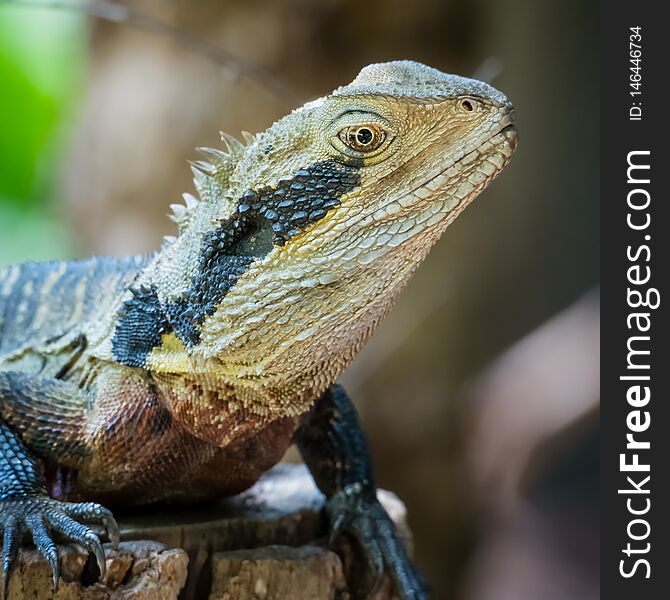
{"x": 186, "y": 374}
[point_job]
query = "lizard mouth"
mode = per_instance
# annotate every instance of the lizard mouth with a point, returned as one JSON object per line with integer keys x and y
{"x": 501, "y": 144}
{"x": 495, "y": 152}
{"x": 508, "y": 130}
{"x": 510, "y": 136}
{"x": 428, "y": 202}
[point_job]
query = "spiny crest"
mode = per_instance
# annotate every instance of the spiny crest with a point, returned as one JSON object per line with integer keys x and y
{"x": 214, "y": 174}
{"x": 221, "y": 163}
{"x": 210, "y": 178}
{"x": 181, "y": 213}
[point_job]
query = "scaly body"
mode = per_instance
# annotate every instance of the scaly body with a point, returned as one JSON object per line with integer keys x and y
{"x": 186, "y": 374}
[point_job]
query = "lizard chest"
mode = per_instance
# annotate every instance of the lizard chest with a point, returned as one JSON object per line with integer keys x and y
{"x": 148, "y": 442}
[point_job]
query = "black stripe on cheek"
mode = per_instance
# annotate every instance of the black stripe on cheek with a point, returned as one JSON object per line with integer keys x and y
{"x": 218, "y": 272}
{"x": 295, "y": 204}
{"x": 141, "y": 323}
{"x": 264, "y": 218}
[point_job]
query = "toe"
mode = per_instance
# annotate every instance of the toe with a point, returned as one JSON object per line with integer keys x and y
{"x": 10, "y": 548}
{"x": 46, "y": 546}
{"x": 336, "y": 527}
{"x": 374, "y": 531}
{"x": 71, "y": 529}
{"x": 95, "y": 513}
{"x": 93, "y": 544}
{"x": 365, "y": 535}
{"x": 42, "y": 515}
{"x": 395, "y": 556}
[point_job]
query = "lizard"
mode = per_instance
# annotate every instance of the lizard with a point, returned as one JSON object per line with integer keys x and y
{"x": 185, "y": 374}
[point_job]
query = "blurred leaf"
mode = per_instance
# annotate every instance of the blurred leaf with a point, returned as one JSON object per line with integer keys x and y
{"x": 41, "y": 64}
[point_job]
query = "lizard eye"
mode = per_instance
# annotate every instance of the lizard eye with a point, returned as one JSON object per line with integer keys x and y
{"x": 363, "y": 138}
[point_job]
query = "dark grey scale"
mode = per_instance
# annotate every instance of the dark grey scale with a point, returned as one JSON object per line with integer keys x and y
{"x": 295, "y": 204}
{"x": 218, "y": 272}
{"x": 264, "y": 218}
{"x": 141, "y": 323}
{"x": 19, "y": 473}
{"x": 223, "y": 258}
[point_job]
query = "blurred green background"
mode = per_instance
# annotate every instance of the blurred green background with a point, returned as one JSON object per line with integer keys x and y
{"x": 42, "y": 61}
{"x": 480, "y": 391}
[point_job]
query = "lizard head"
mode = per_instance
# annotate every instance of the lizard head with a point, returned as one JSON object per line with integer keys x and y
{"x": 309, "y": 230}
{"x": 402, "y": 143}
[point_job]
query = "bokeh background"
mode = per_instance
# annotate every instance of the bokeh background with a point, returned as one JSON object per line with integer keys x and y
{"x": 480, "y": 392}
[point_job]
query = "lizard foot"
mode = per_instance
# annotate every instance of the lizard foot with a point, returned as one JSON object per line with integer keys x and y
{"x": 350, "y": 512}
{"x": 42, "y": 516}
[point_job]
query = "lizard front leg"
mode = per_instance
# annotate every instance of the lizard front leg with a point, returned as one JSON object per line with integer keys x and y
{"x": 33, "y": 405}
{"x": 334, "y": 448}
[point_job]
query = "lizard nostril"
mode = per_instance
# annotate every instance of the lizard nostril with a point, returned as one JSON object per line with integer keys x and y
{"x": 467, "y": 105}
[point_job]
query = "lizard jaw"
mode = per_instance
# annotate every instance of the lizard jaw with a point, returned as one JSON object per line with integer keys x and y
{"x": 438, "y": 196}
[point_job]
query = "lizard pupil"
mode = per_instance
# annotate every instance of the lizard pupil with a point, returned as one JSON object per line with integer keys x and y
{"x": 364, "y": 136}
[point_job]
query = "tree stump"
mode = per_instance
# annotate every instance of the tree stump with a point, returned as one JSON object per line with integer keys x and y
{"x": 137, "y": 570}
{"x": 268, "y": 543}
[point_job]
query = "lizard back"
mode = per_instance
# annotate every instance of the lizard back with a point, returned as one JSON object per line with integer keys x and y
{"x": 45, "y": 300}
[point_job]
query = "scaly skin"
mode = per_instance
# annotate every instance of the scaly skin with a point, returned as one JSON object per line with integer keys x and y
{"x": 186, "y": 374}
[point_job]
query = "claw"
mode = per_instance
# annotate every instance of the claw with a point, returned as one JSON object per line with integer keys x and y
{"x": 95, "y": 546}
{"x": 376, "y": 565}
{"x": 112, "y": 528}
{"x": 336, "y": 528}
{"x": 79, "y": 533}
{"x": 91, "y": 511}
{"x": 46, "y": 546}
{"x": 10, "y": 548}
{"x": 41, "y": 516}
